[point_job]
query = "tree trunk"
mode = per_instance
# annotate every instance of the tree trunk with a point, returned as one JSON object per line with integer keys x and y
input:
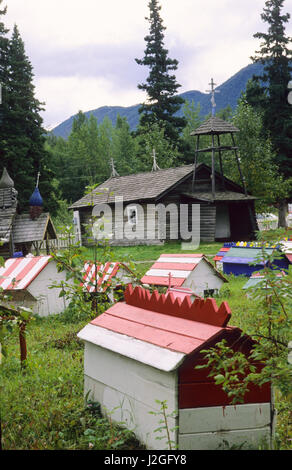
{"x": 282, "y": 214}
{"x": 22, "y": 342}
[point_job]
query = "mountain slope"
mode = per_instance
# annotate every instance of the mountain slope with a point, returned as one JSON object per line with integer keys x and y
{"x": 230, "y": 92}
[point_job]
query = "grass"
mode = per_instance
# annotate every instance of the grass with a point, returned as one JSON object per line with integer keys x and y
{"x": 42, "y": 407}
{"x": 152, "y": 252}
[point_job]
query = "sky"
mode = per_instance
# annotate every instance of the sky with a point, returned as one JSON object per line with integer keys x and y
{"x": 83, "y": 52}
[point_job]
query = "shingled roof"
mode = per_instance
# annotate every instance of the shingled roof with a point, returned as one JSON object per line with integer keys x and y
{"x": 27, "y": 230}
{"x": 148, "y": 185}
{"x": 8, "y": 205}
{"x": 215, "y": 125}
{"x": 220, "y": 196}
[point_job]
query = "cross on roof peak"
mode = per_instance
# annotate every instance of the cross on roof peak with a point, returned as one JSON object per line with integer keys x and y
{"x": 114, "y": 171}
{"x": 213, "y": 91}
{"x": 154, "y": 166}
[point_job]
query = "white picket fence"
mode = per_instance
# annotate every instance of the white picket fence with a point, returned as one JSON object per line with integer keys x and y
{"x": 54, "y": 245}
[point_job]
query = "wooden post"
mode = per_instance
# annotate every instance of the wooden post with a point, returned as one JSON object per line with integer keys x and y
{"x": 238, "y": 165}
{"x": 221, "y": 165}
{"x": 195, "y": 164}
{"x": 47, "y": 244}
{"x": 213, "y": 168}
{"x": 22, "y": 343}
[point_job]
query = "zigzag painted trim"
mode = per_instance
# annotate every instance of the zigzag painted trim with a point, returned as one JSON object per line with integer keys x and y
{"x": 204, "y": 311}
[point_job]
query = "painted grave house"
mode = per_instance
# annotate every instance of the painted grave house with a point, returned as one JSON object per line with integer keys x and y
{"x": 245, "y": 260}
{"x": 106, "y": 278}
{"x": 24, "y": 232}
{"x": 192, "y": 271}
{"x": 27, "y": 281}
{"x": 146, "y": 349}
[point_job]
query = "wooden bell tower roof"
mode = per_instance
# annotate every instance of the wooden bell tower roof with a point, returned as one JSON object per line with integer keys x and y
{"x": 215, "y": 125}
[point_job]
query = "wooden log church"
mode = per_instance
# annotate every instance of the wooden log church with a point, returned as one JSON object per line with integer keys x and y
{"x": 228, "y": 214}
{"x": 226, "y": 210}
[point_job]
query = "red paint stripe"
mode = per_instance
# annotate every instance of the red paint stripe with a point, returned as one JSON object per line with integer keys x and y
{"x": 107, "y": 282}
{"x": 103, "y": 273}
{"x": 89, "y": 277}
{"x": 164, "y": 339}
{"x": 162, "y": 281}
{"x": 37, "y": 273}
{"x": 87, "y": 271}
{"x": 194, "y": 255}
{"x": 168, "y": 323}
{"x": 106, "y": 271}
{"x": 176, "y": 266}
{"x": 11, "y": 268}
{"x": 23, "y": 273}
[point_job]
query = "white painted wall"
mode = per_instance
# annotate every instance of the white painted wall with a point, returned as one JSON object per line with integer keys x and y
{"x": 208, "y": 428}
{"x": 203, "y": 277}
{"x": 48, "y": 300}
{"x": 129, "y": 389}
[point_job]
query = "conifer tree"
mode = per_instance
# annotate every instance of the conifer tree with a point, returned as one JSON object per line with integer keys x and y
{"x": 21, "y": 133}
{"x": 161, "y": 86}
{"x": 269, "y": 92}
{"x": 4, "y": 44}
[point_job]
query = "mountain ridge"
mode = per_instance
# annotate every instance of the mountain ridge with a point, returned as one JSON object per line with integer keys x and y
{"x": 230, "y": 92}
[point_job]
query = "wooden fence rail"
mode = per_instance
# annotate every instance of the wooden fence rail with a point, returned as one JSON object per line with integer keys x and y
{"x": 52, "y": 245}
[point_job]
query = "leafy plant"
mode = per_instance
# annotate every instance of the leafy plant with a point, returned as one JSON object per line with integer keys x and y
{"x": 164, "y": 428}
{"x": 104, "y": 434}
{"x": 270, "y": 327}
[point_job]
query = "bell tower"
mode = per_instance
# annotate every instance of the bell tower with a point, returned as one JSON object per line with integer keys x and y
{"x": 215, "y": 128}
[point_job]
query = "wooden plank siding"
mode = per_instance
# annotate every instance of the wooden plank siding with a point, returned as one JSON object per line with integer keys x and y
{"x": 141, "y": 233}
{"x": 197, "y": 389}
{"x": 168, "y": 227}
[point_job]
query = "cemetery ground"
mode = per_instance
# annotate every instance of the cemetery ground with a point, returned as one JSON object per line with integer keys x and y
{"x": 43, "y": 407}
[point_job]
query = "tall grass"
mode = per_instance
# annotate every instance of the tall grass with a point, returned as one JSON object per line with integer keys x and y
{"x": 42, "y": 407}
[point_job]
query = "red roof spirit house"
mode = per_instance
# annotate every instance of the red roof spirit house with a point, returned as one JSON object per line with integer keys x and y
{"x": 185, "y": 270}
{"x": 145, "y": 349}
{"x": 106, "y": 278}
{"x": 27, "y": 281}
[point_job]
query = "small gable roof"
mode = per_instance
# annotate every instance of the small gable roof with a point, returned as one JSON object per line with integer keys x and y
{"x": 258, "y": 277}
{"x": 99, "y": 277}
{"x": 174, "y": 269}
{"x": 27, "y": 230}
{"x": 157, "y": 329}
{"x": 247, "y": 255}
{"x": 18, "y": 273}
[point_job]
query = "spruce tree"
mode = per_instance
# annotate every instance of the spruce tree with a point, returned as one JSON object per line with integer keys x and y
{"x": 4, "y": 44}
{"x": 161, "y": 86}
{"x": 269, "y": 92}
{"x": 22, "y": 135}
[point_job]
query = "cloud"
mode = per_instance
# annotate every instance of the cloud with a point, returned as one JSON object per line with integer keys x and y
{"x": 117, "y": 63}
{"x": 83, "y": 52}
{"x": 80, "y": 93}
{"x": 71, "y": 22}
